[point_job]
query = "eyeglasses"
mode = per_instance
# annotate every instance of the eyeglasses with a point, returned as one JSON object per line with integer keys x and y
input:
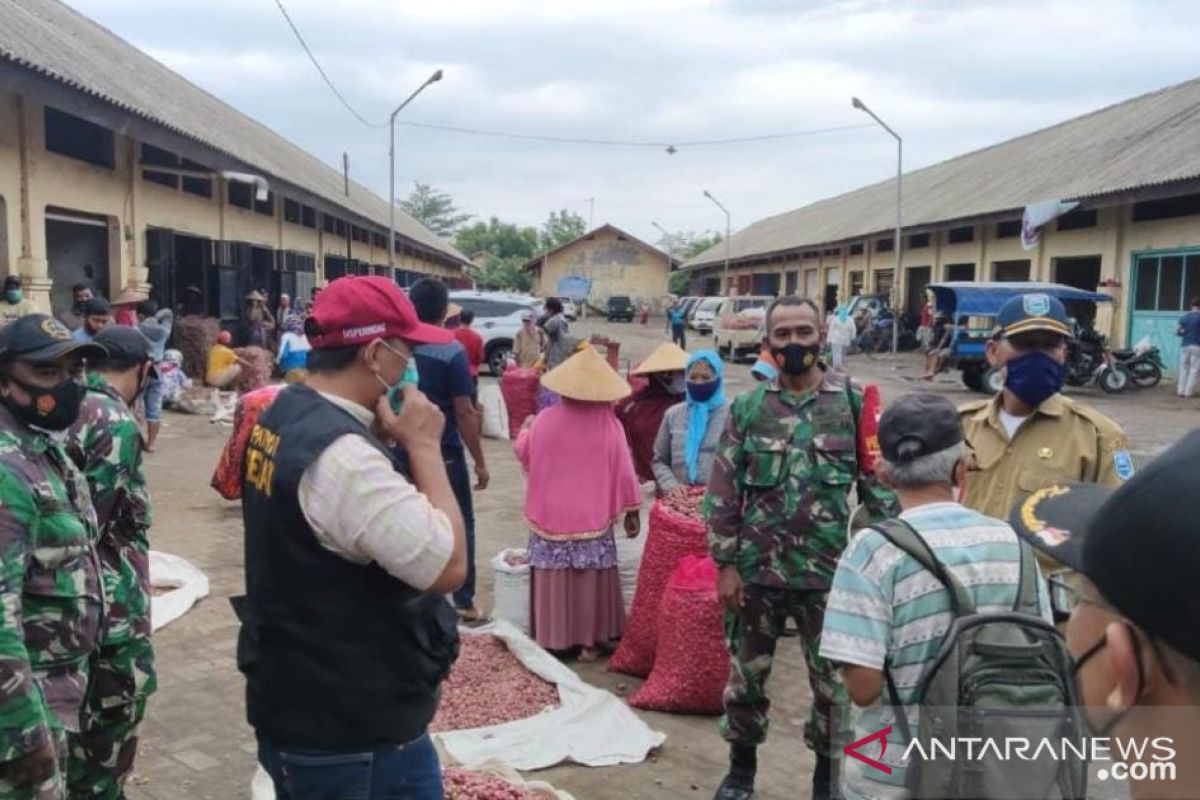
{"x": 1066, "y": 596}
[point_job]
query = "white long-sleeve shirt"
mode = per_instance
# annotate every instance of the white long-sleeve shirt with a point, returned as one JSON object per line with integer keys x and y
{"x": 362, "y": 509}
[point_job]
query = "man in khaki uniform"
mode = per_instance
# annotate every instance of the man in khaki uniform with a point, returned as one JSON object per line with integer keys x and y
{"x": 1030, "y": 436}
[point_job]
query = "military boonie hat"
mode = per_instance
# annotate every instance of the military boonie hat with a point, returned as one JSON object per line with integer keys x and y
{"x": 1036, "y": 311}
{"x": 40, "y": 338}
{"x": 1137, "y": 544}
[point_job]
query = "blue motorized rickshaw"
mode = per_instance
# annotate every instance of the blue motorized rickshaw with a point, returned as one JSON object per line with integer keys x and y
{"x": 972, "y": 308}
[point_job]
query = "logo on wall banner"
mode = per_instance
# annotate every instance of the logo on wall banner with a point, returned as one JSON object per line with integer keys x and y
{"x": 575, "y": 287}
{"x": 1038, "y": 214}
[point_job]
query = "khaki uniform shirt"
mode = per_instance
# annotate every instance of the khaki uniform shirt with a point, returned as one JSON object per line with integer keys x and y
{"x": 1062, "y": 441}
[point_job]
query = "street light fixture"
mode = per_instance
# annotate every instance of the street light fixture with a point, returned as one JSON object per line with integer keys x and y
{"x": 899, "y": 243}
{"x": 725, "y": 279}
{"x": 434, "y": 78}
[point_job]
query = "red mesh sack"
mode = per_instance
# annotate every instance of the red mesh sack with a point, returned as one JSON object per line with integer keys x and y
{"x": 227, "y": 478}
{"x": 691, "y": 664}
{"x": 519, "y": 386}
{"x": 676, "y": 530}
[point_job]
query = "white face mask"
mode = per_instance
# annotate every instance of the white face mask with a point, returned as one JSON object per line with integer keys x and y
{"x": 676, "y": 384}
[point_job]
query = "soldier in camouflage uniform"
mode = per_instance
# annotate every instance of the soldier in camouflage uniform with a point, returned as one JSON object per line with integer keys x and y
{"x": 107, "y": 445}
{"x": 51, "y": 595}
{"x": 778, "y": 506}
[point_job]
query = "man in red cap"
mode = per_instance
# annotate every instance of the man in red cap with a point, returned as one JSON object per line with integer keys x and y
{"x": 346, "y": 634}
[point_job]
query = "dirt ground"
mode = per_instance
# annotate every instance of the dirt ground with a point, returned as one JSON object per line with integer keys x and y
{"x": 196, "y": 743}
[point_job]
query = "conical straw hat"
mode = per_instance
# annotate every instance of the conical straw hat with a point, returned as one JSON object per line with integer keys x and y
{"x": 587, "y": 376}
{"x": 668, "y": 357}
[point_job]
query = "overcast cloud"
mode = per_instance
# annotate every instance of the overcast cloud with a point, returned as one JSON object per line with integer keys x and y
{"x": 950, "y": 75}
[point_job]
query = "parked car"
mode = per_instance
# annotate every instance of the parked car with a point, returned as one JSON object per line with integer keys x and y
{"x": 704, "y": 315}
{"x": 738, "y": 326}
{"x": 497, "y": 320}
{"x": 620, "y": 308}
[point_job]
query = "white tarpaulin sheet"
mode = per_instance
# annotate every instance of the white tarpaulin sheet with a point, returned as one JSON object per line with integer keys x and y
{"x": 186, "y": 582}
{"x": 591, "y": 726}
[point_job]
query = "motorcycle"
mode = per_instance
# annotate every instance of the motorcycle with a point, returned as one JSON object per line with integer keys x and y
{"x": 1143, "y": 363}
{"x": 1089, "y": 361}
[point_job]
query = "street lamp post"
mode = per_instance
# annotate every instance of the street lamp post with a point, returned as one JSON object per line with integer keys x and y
{"x": 708, "y": 194}
{"x": 899, "y": 243}
{"x": 391, "y": 246}
{"x": 670, "y": 248}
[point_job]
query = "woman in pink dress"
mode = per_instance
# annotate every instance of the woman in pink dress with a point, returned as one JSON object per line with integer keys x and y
{"x": 581, "y": 484}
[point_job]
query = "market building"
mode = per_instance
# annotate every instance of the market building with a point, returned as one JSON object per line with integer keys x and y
{"x": 612, "y": 261}
{"x": 1133, "y": 168}
{"x": 118, "y": 171}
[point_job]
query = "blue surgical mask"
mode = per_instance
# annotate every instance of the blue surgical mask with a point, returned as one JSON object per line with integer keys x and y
{"x": 1033, "y": 377}
{"x": 702, "y": 391}
{"x": 674, "y": 384}
{"x": 395, "y": 392}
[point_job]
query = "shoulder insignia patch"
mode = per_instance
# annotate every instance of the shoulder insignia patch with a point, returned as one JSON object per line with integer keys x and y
{"x": 1123, "y": 462}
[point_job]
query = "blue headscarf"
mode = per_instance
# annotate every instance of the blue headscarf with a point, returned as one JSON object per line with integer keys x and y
{"x": 698, "y": 412}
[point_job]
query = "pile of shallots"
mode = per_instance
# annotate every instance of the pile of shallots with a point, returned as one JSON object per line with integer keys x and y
{"x": 489, "y": 686}
{"x": 462, "y": 784}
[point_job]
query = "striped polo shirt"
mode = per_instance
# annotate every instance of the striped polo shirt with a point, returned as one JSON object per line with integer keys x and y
{"x": 884, "y": 605}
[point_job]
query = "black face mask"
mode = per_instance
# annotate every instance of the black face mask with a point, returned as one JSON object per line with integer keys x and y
{"x": 53, "y": 409}
{"x": 796, "y": 359}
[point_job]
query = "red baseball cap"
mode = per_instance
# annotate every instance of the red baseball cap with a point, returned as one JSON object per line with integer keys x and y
{"x": 356, "y": 310}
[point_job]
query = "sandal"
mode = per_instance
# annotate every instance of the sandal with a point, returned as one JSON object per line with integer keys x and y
{"x": 588, "y": 655}
{"x": 471, "y": 616}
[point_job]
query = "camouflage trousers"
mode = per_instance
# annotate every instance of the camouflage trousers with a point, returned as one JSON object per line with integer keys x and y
{"x": 54, "y": 788}
{"x": 101, "y": 755}
{"x": 751, "y": 634}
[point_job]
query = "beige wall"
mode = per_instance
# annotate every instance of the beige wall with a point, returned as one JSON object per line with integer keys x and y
{"x": 131, "y": 205}
{"x": 617, "y": 266}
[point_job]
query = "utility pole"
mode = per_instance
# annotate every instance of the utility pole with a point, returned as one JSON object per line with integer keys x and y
{"x": 725, "y": 280}
{"x": 434, "y": 78}
{"x": 898, "y": 243}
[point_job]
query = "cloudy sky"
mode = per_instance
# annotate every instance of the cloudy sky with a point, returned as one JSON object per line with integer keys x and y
{"x": 950, "y": 75}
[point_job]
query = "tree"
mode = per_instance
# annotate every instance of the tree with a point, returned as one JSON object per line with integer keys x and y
{"x": 504, "y": 274}
{"x": 685, "y": 245}
{"x": 560, "y": 228}
{"x": 507, "y": 248}
{"x": 498, "y": 239}
{"x": 434, "y": 209}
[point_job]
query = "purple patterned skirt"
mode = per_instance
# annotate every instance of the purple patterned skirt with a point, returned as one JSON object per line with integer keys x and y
{"x": 575, "y": 592}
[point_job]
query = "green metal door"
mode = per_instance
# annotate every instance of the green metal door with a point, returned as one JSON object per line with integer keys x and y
{"x": 1164, "y": 283}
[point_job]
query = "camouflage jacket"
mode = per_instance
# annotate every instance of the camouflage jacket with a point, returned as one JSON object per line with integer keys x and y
{"x": 778, "y": 500}
{"x": 106, "y": 443}
{"x": 51, "y": 597}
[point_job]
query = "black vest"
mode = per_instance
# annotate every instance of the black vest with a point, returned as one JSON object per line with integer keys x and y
{"x": 336, "y": 654}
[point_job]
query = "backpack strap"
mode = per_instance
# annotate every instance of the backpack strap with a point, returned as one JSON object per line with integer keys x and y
{"x": 904, "y": 536}
{"x": 1027, "y": 593}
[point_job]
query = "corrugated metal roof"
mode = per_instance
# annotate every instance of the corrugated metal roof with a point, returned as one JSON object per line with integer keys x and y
{"x": 57, "y": 41}
{"x": 1146, "y": 141}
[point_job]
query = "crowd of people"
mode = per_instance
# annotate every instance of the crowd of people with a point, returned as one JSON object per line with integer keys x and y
{"x": 354, "y": 477}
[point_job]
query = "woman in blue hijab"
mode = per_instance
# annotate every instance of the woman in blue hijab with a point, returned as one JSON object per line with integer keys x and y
{"x": 691, "y": 431}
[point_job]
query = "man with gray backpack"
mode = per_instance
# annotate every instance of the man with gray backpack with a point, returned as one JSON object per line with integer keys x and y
{"x": 943, "y": 613}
